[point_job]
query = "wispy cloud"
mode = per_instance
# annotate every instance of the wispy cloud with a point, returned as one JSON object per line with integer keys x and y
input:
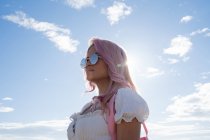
{"x": 185, "y": 59}
{"x": 170, "y": 130}
{"x": 78, "y": 4}
{"x": 186, "y": 19}
{"x": 192, "y": 107}
{"x": 151, "y": 72}
{"x": 38, "y": 130}
{"x": 15, "y": 137}
{"x": 46, "y": 79}
{"x": 6, "y": 109}
{"x": 53, "y": 124}
{"x": 181, "y": 131}
{"x": 187, "y": 117}
{"x": 208, "y": 34}
{"x": 116, "y": 12}
{"x": 59, "y": 36}
{"x": 172, "y": 61}
{"x": 7, "y": 99}
{"x": 200, "y": 31}
{"x": 205, "y": 75}
{"x": 180, "y": 46}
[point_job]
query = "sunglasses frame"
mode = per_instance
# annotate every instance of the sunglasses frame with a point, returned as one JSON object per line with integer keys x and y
{"x": 93, "y": 59}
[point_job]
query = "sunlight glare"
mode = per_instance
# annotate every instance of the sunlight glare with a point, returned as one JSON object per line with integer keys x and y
{"x": 133, "y": 65}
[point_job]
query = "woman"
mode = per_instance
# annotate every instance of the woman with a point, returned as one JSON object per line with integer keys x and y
{"x": 105, "y": 68}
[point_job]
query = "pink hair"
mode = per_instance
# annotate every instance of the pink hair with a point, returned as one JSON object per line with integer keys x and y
{"x": 115, "y": 58}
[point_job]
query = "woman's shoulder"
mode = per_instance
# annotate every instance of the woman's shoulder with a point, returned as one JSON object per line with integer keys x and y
{"x": 127, "y": 93}
{"x": 126, "y": 90}
{"x": 87, "y": 105}
{"x": 77, "y": 114}
{"x": 129, "y": 104}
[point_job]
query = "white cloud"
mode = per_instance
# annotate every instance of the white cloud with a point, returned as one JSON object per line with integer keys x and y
{"x": 205, "y": 75}
{"x": 46, "y": 79}
{"x": 38, "y": 130}
{"x": 200, "y": 31}
{"x": 186, "y": 19}
{"x": 170, "y": 130}
{"x": 58, "y": 125}
{"x": 175, "y": 72}
{"x": 180, "y": 46}
{"x": 14, "y": 137}
{"x": 192, "y": 107}
{"x": 185, "y": 59}
{"x": 180, "y": 131}
{"x": 173, "y": 61}
{"x": 116, "y": 12}
{"x": 208, "y": 34}
{"x": 78, "y": 4}
{"x": 59, "y": 36}
{"x": 153, "y": 72}
{"x": 6, "y": 109}
{"x": 187, "y": 116}
{"x": 7, "y": 99}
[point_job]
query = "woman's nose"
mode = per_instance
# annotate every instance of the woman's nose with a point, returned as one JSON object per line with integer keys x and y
{"x": 88, "y": 62}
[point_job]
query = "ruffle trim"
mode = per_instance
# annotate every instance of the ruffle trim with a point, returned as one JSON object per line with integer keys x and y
{"x": 70, "y": 131}
{"x": 127, "y": 117}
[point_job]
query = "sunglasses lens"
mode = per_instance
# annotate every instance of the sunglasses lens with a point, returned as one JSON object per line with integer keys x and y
{"x": 93, "y": 59}
{"x": 83, "y": 63}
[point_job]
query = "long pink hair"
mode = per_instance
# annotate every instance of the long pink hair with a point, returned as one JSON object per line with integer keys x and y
{"x": 115, "y": 58}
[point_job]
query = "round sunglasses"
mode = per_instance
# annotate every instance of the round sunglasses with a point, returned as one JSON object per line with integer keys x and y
{"x": 93, "y": 59}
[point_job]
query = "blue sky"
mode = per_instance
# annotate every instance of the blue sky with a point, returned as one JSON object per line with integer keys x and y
{"x": 42, "y": 43}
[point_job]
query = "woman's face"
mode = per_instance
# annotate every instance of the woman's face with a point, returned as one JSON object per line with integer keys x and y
{"x": 98, "y": 71}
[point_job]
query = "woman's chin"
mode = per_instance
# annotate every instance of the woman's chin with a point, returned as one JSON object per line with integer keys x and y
{"x": 90, "y": 78}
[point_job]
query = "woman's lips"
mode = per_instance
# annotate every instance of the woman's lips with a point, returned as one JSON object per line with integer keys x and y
{"x": 89, "y": 70}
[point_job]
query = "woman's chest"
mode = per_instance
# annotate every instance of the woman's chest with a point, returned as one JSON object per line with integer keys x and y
{"x": 92, "y": 126}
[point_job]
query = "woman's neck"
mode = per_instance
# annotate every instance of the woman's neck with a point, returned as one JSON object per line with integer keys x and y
{"x": 103, "y": 85}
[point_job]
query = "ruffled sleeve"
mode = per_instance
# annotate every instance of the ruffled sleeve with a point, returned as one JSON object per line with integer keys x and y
{"x": 130, "y": 105}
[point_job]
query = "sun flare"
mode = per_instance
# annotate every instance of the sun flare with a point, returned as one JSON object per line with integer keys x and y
{"x": 133, "y": 65}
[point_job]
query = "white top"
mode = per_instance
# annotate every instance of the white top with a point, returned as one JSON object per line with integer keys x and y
{"x": 93, "y": 125}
